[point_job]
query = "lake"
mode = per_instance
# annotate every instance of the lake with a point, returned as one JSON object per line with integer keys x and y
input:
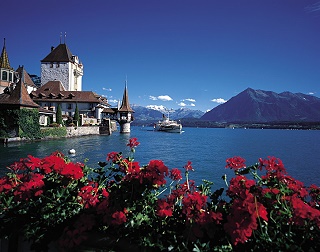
{"x": 206, "y": 148}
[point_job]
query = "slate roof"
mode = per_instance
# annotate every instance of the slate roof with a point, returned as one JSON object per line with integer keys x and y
{"x": 109, "y": 110}
{"x": 25, "y": 77}
{"x": 59, "y": 54}
{"x": 18, "y": 96}
{"x": 53, "y": 91}
{"x": 125, "y": 106}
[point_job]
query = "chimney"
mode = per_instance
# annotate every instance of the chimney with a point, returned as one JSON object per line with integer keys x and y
{"x": 52, "y": 48}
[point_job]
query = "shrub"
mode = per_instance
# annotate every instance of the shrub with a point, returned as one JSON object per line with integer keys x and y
{"x": 54, "y": 125}
{"x": 54, "y": 131}
{"x": 23, "y": 121}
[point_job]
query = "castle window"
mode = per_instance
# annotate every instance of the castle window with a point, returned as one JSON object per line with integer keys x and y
{"x": 4, "y": 75}
{"x": 70, "y": 106}
{"x": 10, "y": 76}
{"x": 58, "y": 65}
{"x": 51, "y": 65}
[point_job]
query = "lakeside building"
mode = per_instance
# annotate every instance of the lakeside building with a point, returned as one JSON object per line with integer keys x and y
{"x": 61, "y": 84}
{"x": 90, "y": 104}
{"x": 61, "y": 65}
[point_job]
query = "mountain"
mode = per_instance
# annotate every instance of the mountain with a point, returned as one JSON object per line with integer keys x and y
{"x": 186, "y": 113}
{"x": 266, "y": 106}
{"x": 143, "y": 113}
{"x": 155, "y": 113}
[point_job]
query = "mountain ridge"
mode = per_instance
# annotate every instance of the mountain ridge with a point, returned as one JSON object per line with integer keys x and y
{"x": 155, "y": 113}
{"x": 266, "y": 106}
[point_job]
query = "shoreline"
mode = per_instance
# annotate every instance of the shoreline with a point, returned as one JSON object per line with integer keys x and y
{"x": 194, "y": 123}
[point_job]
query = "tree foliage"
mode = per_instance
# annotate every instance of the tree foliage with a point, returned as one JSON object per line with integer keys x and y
{"x": 24, "y": 122}
{"x": 59, "y": 115}
{"x": 76, "y": 117}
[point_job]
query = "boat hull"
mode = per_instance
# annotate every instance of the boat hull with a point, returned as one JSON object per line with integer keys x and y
{"x": 171, "y": 128}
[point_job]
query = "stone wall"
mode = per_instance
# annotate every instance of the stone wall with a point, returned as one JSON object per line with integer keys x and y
{"x": 106, "y": 129}
{"x": 82, "y": 131}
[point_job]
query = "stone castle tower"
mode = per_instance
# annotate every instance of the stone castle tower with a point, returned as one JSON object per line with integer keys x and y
{"x": 61, "y": 65}
{"x": 124, "y": 112}
{"x": 7, "y": 73}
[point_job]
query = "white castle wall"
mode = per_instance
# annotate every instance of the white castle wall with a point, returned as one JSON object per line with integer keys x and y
{"x": 70, "y": 74}
{"x": 55, "y": 72}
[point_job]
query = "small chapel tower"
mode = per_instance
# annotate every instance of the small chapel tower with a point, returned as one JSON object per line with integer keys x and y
{"x": 124, "y": 113}
{"x": 7, "y": 73}
{"x": 61, "y": 65}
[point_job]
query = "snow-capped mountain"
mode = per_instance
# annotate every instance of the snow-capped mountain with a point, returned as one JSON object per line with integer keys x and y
{"x": 153, "y": 112}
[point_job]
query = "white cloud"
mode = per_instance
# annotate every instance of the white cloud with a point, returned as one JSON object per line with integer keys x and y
{"x": 219, "y": 100}
{"x": 112, "y": 101}
{"x": 160, "y": 97}
{"x": 192, "y": 105}
{"x": 107, "y": 89}
{"x": 190, "y": 100}
{"x": 311, "y": 93}
{"x": 164, "y": 98}
{"x": 153, "y": 98}
{"x": 182, "y": 104}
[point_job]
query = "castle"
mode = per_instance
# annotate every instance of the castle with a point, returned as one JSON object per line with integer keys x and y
{"x": 61, "y": 85}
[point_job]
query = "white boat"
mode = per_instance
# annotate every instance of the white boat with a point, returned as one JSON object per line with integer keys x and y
{"x": 168, "y": 125}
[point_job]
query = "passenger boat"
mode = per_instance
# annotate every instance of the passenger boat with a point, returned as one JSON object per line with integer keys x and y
{"x": 168, "y": 125}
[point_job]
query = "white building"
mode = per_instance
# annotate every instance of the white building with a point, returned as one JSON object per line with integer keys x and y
{"x": 53, "y": 93}
{"x": 61, "y": 65}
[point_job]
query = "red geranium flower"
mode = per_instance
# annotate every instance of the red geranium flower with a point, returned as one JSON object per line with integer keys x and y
{"x": 175, "y": 174}
{"x": 33, "y": 162}
{"x": 133, "y": 142}
{"x": 188, "y": 166}
{"x": 72, "y": 170}
{"x": 193, "y": 205}
{"x": 272, "y": 164}
{"x": 119, "y": 217}
{"x": 164, "y": 209}
{"x": 236, "y": 163}
{"x": 114, "y": 156}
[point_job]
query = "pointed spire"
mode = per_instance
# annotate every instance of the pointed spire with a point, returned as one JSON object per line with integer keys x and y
{"x": 125, "y": 106}
{"x": 4, "y": 60}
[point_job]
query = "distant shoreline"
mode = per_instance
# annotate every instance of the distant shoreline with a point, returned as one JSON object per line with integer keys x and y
{"x": 195, "y": 123}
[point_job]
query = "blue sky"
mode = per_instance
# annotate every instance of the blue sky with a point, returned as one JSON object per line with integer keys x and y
{"x": 176, "y": 53}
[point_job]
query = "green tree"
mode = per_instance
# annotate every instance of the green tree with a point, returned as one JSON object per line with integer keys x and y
{"x": 59, "y": 115}
{"x": 76, "y": 117}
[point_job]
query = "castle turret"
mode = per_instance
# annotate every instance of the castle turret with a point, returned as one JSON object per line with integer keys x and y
{"x": 61, "y": 65}
{"x": 124, "y": 115}
{"x": 7, "y": 73}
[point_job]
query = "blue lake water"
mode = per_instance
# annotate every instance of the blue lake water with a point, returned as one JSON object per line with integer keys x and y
{"x": 206, "y": 148}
